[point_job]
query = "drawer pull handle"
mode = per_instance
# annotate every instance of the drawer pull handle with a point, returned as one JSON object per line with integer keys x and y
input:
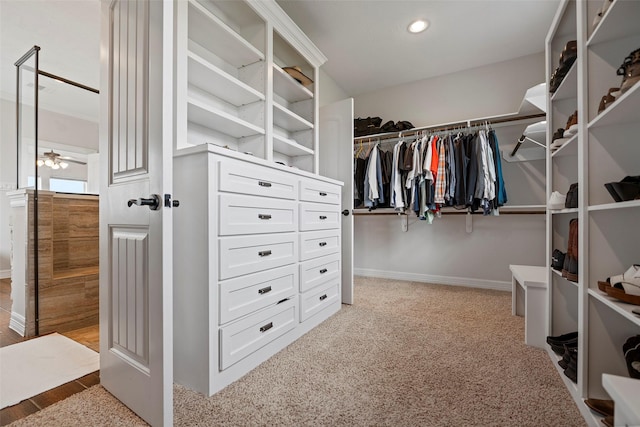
{"x": 322, "y": 193}
{"x": 323, "y": 297}
{"x": 264, "y": 184}
{"x": 322, "y": 244}
{"x": 264, "y": 290}
{"x": 264, "y": 216}
{"x": 266, "y": 327}
{"x": 323, "y": 217}
{"x": 324, "y": 270}
{"x": 264, "y": 253}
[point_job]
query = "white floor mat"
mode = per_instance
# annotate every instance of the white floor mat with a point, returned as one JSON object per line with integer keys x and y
{"x": 31, "y": 367}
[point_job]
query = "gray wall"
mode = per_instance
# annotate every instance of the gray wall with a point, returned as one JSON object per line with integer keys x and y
{"x": 444, "y": 252}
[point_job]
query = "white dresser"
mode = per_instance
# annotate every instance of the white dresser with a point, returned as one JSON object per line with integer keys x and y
{"x": 257, "y": 262}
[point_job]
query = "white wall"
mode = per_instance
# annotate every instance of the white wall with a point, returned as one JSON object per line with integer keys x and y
{"x": 53, "y": 127}
{"x": 329, "y": 90}
{"x": 444, "y": 252}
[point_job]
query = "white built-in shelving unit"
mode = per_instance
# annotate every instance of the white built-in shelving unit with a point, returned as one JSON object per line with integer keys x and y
{"x": 231, "y": 86}
{"x": 605, "y": 150}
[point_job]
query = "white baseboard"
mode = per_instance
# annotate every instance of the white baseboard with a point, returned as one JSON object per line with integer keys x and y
{"x": 18, "y": 323}
{"x": 5, "y": 274}
{"x": 441, "y": 280}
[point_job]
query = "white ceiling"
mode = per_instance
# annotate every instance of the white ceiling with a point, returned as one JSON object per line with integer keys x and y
{"x": 368, "y": 46}
{"x": 68, "y": 33}
{"x": 365, "y": 41}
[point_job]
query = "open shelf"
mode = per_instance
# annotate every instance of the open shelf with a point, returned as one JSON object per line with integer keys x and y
{"x": 563, "y": 211}
{"x": 287, "y": 87}
{"x": 212, "y": 79}
{"x": 614, "y": 24}
{"x": 288, "y": 120}
{"x": 623, "y": 110}
{"x": 616, "y": 305}
{"x": 612, "y": 206}
{"x": 569, "y": 86}
{"x": 209, "y": 117}
{"x": 559, "y": 274}
{"x": 213, "y": 34}
{"x": 289, "y": 147}
{"x": 569, "y": 148}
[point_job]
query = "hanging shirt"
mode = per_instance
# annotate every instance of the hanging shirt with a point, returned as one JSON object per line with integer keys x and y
{"x": 397, "y": 193}
{"x": 441, "y": 182}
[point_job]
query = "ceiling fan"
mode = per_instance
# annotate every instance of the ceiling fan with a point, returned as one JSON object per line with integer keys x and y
{"x": 56, "y": 161}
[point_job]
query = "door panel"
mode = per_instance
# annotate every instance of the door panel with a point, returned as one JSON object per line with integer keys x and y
{"x": 336, "y": 161}
{"x": 136, "y": 160}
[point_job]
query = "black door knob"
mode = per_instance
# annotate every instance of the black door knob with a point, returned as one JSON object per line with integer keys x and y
{"x": 153, "y": 202}
{"x": 345, "y": 212}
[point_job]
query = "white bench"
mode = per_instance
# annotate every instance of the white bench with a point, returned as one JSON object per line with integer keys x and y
{"x": 533, "y": 281}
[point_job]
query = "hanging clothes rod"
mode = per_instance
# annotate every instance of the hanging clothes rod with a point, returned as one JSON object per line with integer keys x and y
{"x": 380, "y": 211}
{"x": 462, "y": 125}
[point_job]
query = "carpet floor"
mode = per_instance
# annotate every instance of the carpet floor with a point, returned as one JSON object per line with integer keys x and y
{"x": 406, "y": 354}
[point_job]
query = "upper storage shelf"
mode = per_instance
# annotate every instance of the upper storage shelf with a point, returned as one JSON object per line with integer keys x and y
{"x": 287, "y": 87}
{"x": 213, "y": 80}
{"x": 615, "y": 25}
{"x": 216, "y": 36}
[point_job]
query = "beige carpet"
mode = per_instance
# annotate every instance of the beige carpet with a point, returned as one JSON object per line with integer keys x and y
{"x": 407, "y": 354}
{"x": 31, "y": 367}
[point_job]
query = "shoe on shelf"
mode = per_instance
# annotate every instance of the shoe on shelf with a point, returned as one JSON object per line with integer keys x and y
{"x": 608, "y": 421}
{"x": 608, "y": 99}
{"x": 569, "y": 353}
{"x": 632, "y": 357}
{"x": 568, "y": 56}
{"x": 626, "y": 189}
{"x": 556, "y": 201}
{"x": 625, "y": 286}
{"x": 558, "y": 143}
{"x": 561, "y": 348}
{"x": 631, "y": 343}
{"x": 557, "y": 261}
{"x": 572, "y": 125}
{"x": 558, "y": 134}
{"x": 571, "y": 370}
{"x": 603, "y": 407}
{"x": 561, "y": 339}
{"x": 630, "y": 71}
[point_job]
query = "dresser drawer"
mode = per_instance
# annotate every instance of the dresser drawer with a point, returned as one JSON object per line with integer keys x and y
{"x": 251, "y": 215}
{"x": 316, "y": 216}
{"x": 249, "y": 178}
{"x": 321, "y": 192}
{"x": 248, "y": 254}
{"x": 317, "y": 299}
{"x": 317, "y": 271}
{"x": 314, "y": 244}
{"x": 241, "y": 338}
{"x": 246, "y": 294}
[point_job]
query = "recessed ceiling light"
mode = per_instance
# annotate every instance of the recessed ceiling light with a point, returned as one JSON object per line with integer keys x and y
{"x": 418, "y": 26}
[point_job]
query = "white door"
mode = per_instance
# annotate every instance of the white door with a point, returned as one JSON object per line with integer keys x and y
{"x": 336, "y": 161}
{"x": 136, "y": 335}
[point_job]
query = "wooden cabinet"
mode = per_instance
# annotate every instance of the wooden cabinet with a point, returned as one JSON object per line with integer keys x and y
{"x": 248, "y": 279}
{"x": 67, "y": 262}
{"x": 603, "y": 151}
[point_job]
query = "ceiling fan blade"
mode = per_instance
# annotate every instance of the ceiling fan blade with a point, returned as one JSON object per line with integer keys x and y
{"x": 64, "y": 159}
